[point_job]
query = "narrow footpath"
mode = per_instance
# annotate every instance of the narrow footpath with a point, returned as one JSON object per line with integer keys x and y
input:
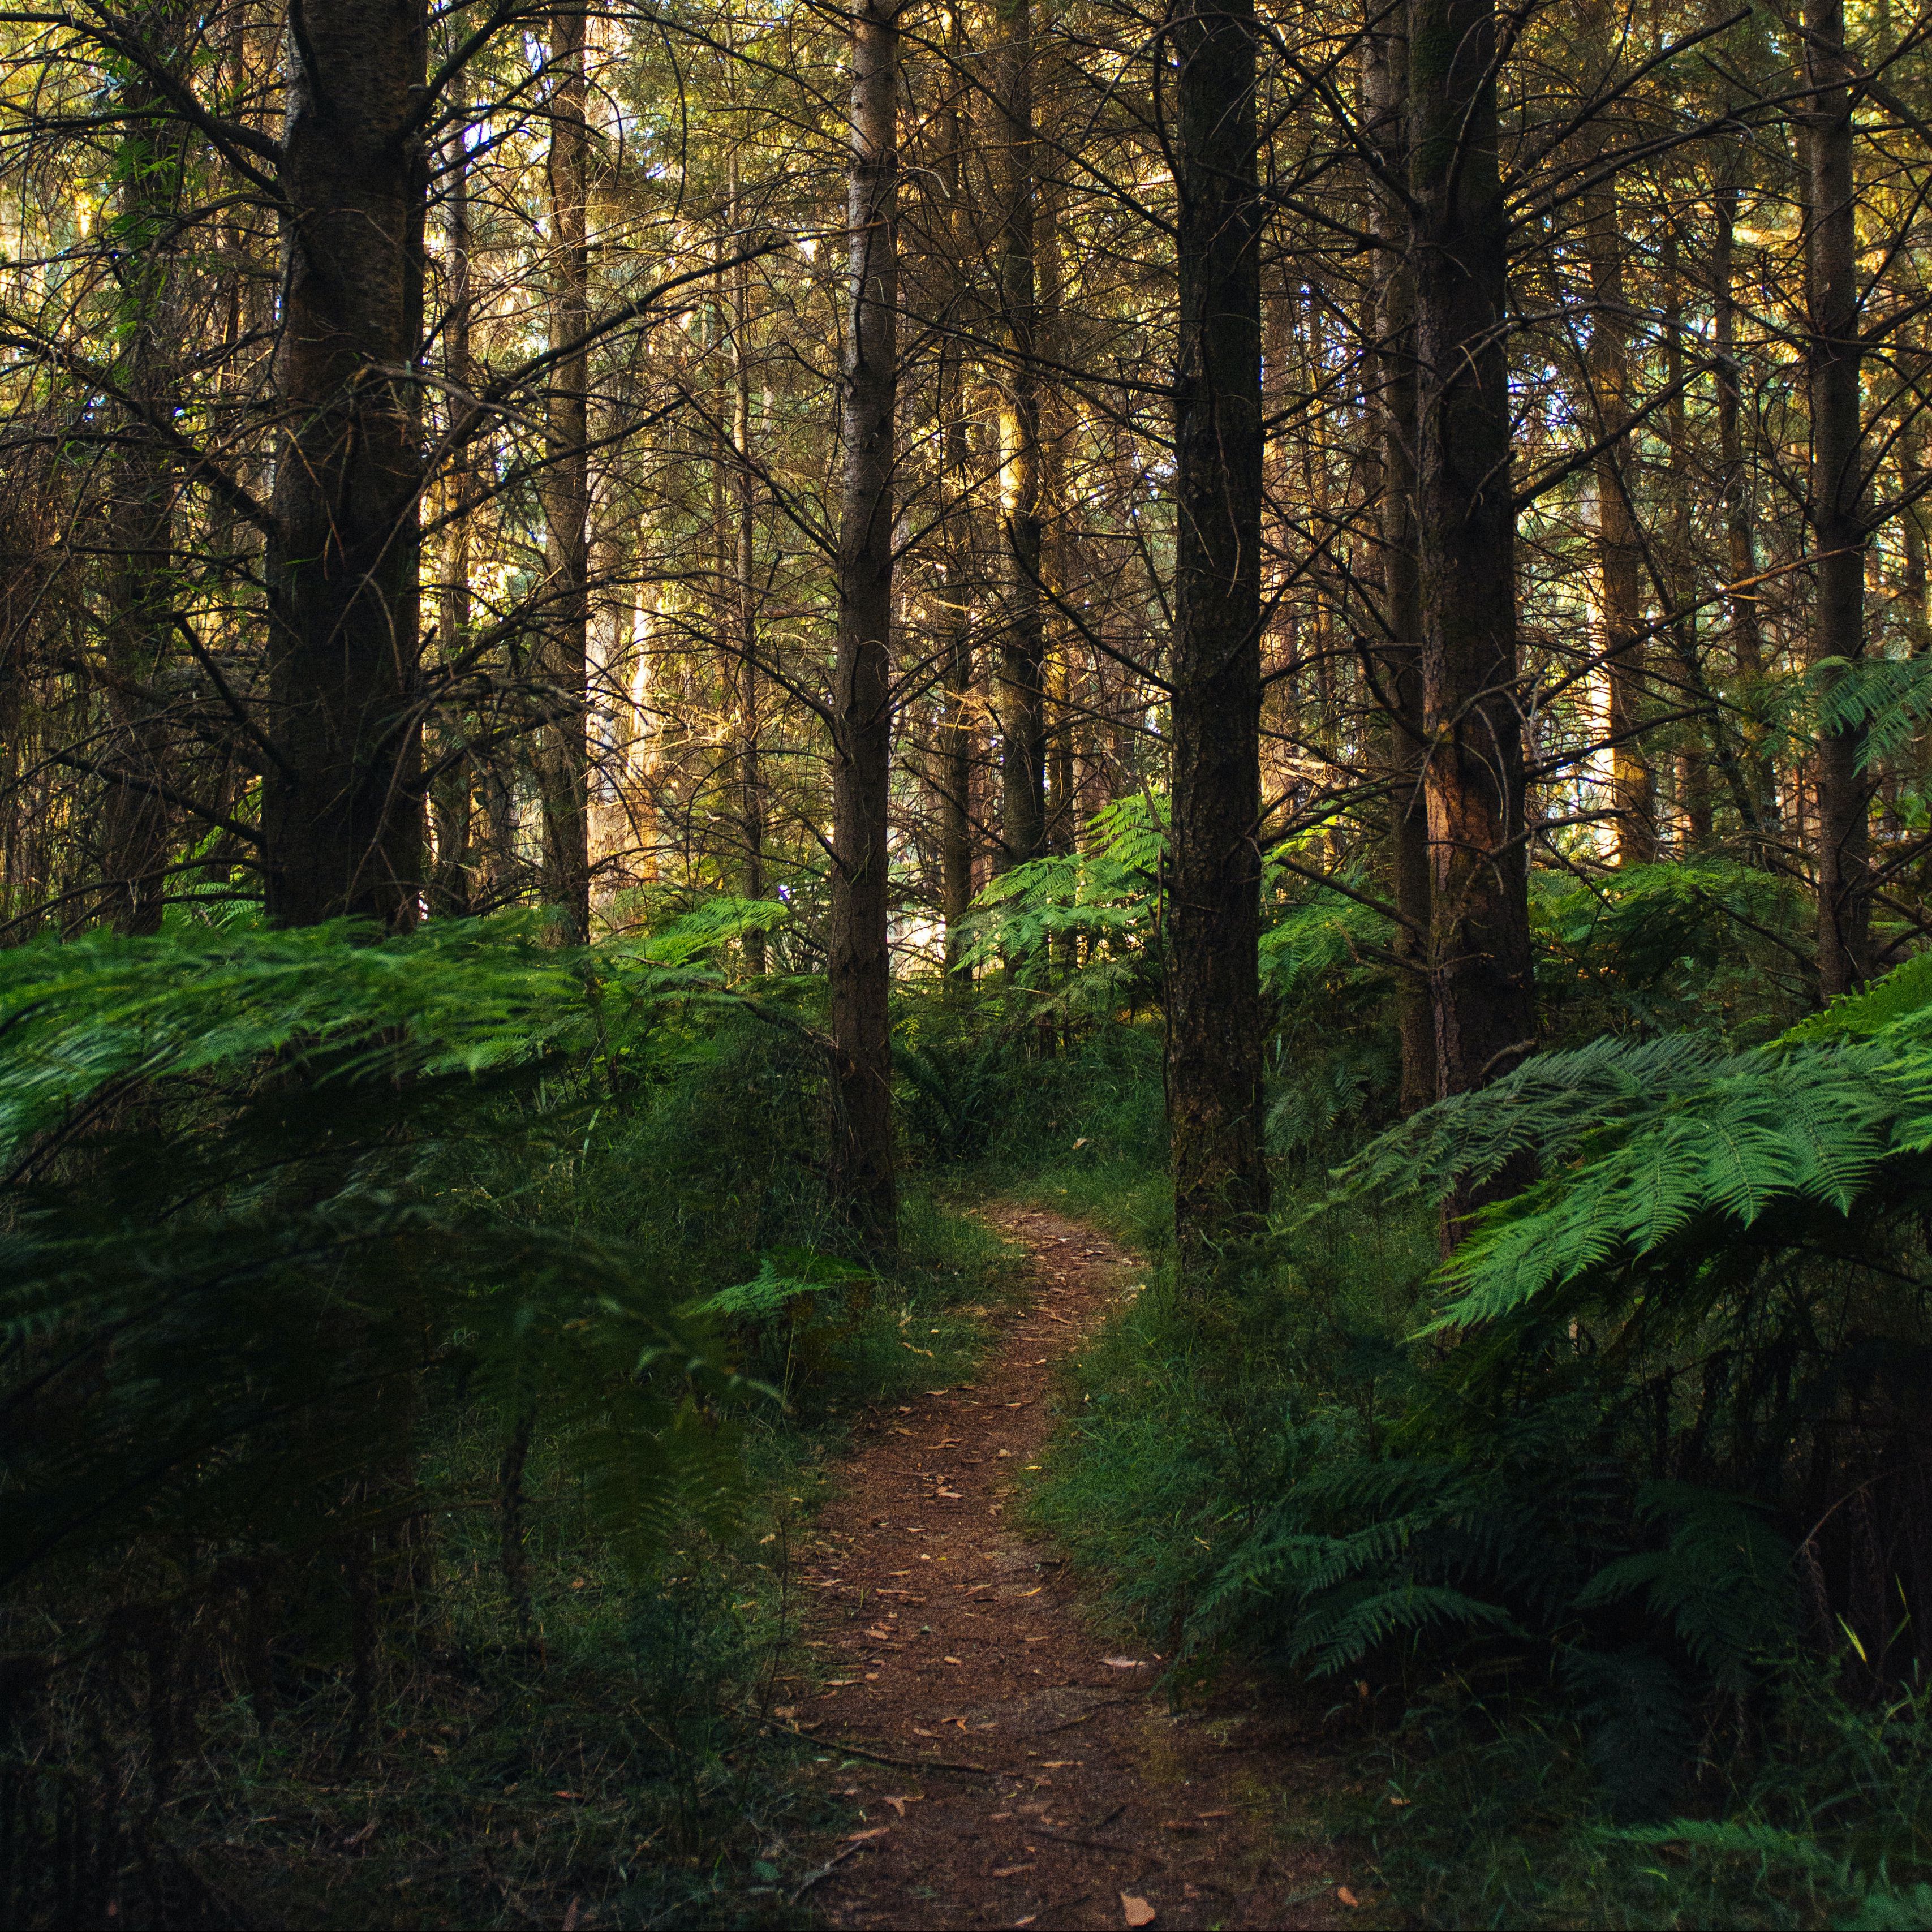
{"x": 1037, "y": 1777}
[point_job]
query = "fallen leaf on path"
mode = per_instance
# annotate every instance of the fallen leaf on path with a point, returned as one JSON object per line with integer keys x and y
{"x": 1136, "y": 1911}
{"x": 899, "y": 1804}
{"x": 953, "y": 1494}
{"x": 1347, "y": 1896}
{"x": 949, "y": 1660}
{"x": 918, "y": 1733}
{"x": 1213, "y": 1814}
{"x": 1122, "y": 1663}
{"x": 866, "y": 1837}
{"x": 1026, "y": 1920}
{"x": 1012, "y": 1871}
{"x": 1179, "y": 1825}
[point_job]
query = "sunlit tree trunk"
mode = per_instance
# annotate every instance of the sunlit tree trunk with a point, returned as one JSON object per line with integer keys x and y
{"x": 957, "y": 562}
{"x": 451, "y": 791}
{"x": 1212, "y": 894}
{"x": 1619, "y": 552}
{"x": 562, "y": 748}
{"x": 1022, "y": 646}
{"x": 1758, "y": 803}
{"x": 860, "y": 968}
{"x": 750, "y": 777}
{"x": 1837, "y": 509}
{"x": 341, "y": 818}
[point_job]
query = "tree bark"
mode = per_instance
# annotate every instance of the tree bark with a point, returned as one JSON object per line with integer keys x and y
{"x": 1466, "y": 541}
{"x": 1385, "y": 88}
{"x": 1619, "y": 550}
{"x": 1758, "y": 803}
{"x": 562, "y": 753}
{"x": 746, "y": 694}
{"x": 863, "y": 1180}
{"x": 1836, "y": 506}
{"x": 451, "y": 803}
{"x": 1213, "y": 885}
{"x": 955, "y": 727}
{"x": 341, "y": 817}
{"x": 1022, "y": 644}
{"x": 140, "y": 640}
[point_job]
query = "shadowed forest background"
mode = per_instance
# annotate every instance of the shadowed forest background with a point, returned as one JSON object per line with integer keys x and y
{"x": 644, "y": 651}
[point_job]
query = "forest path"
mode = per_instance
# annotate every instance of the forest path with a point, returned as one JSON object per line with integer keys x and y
{"x": 1043, "y": 1780}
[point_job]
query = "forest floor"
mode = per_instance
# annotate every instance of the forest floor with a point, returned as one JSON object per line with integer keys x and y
{"x": 1023, "y": 1769}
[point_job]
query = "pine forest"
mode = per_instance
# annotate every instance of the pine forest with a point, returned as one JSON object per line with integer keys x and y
{"x": 965, "y": 963}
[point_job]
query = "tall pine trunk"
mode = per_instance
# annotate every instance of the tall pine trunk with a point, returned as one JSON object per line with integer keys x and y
{"x": 1213, "y": 885}
{"x": 955, "y": 771}
{"x": 747, "y": 695}
{"x": 451, "y": 792}
{"x": 341, "y": 817}
{"x": 1757, "y": 799}
{"x": 1022, "y": 641}
{"x": 1385, "y": 89}
{"x": 1619, "y": 550}
{"x": 859, "y": 965}
{"x": 562, "y": 748}
{"x": 141, "y": 582}
{"x": 1838, "y": 528}
{"x": 1466, "y": 543}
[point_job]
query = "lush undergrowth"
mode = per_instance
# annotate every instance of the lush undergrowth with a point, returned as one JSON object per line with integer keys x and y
{"x": 422, "y": 1355}
{"x": 1605, "y": 1549}
{"x": 421, "y": 1359}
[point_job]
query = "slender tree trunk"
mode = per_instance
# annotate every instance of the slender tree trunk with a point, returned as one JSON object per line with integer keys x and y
{"x": 1837, "y": 509}
{"x": 751, "y": 778}
{"x": 1679, "y": 574}
{"x": 1385, "y": 87}
{"x": 859, "y": 966}
{"x": 955, "y": 748}
{"x": 140, "y": 640}
{"x": 1758, "y": 806}
{"x": 1466, "y": 541}
{"x": 562, "y": 759}
{"x": 1619, "y": 551}
{"x": 341, "y": 819}
{"x": 1212, "y": 887}
{"x": 450, "y": 792}
{"x": 1022, "y": 647}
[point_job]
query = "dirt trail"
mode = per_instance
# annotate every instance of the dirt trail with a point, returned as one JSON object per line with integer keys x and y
{"x": 953, "y": 1639}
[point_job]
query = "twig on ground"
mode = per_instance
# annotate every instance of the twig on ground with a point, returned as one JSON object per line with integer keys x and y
{"x": 898, "y": 1763}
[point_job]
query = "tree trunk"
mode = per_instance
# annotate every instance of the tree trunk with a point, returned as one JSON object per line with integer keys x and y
{"x": 859, "y": 965}
{"x": 451, "y": 800}
{"x": 562, "y": 759}
{"x": 1837, "y": 499}
{"x": 1022, "y": 646}
{"x": 955, "y": 727}
{"x": 341, "y": 817}
{"x": 140, "y": 640}
{"x": 1385, "y": 87}
{"x": 1212, "y": 886}
{"x": 1759, "y": 802}
{"x": 751, "y": 779}
{"x": 1619, "y": 552}
{"x": 1466, "y": 542}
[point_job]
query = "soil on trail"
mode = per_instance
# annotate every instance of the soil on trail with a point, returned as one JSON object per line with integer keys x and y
{"x": 1044, "y": 1779}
